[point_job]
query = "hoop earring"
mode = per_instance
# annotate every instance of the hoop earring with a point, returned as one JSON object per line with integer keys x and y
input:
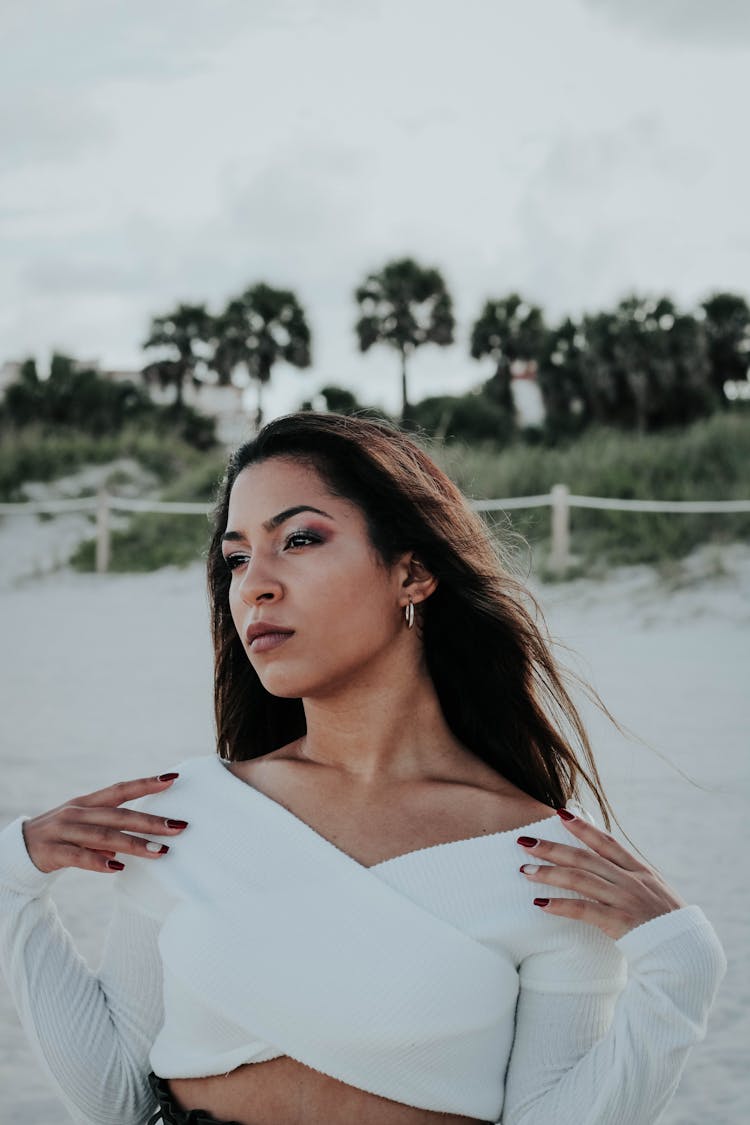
{"x": 409, "y": 614}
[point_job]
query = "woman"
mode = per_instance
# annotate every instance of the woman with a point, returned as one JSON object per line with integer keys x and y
{"x": 341, "y": 926}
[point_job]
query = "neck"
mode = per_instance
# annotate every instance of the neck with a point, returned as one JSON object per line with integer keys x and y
{"x": 391, "y": 734}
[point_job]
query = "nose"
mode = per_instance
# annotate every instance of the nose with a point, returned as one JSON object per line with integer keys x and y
{"x": 256, "y": 584}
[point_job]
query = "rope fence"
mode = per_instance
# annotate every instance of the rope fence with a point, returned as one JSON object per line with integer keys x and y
{"x": 560, "y": 499}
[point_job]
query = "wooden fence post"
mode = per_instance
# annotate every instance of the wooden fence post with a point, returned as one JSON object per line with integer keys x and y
{"x": 560, "y": 553}
{"x": 102, "y": 532}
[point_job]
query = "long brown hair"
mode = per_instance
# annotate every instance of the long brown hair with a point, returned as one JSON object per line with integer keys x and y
{"x": 499, "y": 686}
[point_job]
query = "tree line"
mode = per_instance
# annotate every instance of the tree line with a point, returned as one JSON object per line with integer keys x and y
{"x": 643, "y": 365}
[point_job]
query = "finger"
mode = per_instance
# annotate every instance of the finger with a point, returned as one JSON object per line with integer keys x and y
{"x": 101, "y": 838}
{"x": 122, "y": 791}
{"x": 88, "y": 859}
{"x": 130, "y": 820}
{"x": 602, "y": 842}
{"x": 564, "y": 855}
{"x": 586, "y": 883}
{"x": 611, "y": 921}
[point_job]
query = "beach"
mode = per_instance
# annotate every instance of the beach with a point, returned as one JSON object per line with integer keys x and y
{"x": 108, "y": 677}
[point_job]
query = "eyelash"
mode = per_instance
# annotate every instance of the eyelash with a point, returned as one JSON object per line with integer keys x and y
{"x": 232, "y": 560}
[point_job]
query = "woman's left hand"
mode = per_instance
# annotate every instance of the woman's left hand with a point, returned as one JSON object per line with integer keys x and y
{"x": 625, "y": 891}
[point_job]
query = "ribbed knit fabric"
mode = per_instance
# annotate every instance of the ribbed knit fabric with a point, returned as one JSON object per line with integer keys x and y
{"x": 430, "y": 978}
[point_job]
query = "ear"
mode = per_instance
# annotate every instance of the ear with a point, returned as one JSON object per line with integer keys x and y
{"x": 416, "y": 578}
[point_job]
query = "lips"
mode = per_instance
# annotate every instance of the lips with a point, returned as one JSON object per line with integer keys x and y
{"x": 262, "y": 629}
{"x": 266, "y": 642}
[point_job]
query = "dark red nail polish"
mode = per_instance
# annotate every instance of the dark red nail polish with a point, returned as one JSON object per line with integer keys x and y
{"x": 565, "y": 814}
{"x": 541, "y": 901}
{"x": 167, "y": 776}
{"x": 177, "y": 824}
{"x": 527, "y": 841}
{"x": 115, "y": 864}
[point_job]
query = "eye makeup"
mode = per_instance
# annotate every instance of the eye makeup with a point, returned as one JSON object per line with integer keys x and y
{"x": 313, "y": 537}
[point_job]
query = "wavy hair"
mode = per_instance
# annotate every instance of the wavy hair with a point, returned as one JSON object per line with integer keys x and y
{"x": 501, "y": 690}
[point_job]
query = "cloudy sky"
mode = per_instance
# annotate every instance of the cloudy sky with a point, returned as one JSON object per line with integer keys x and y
{"x": 156, "y": 152}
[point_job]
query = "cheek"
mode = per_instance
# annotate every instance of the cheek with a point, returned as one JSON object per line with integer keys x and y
{"x": 363, "y": 620}
{"x": 236, "y": 607}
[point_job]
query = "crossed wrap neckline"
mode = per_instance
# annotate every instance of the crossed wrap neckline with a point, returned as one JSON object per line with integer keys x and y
{"x": 232, "y": 778}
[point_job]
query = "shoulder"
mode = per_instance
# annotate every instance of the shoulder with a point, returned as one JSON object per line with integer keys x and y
{"x": 512, "y": 805}
{"x": 151, "y": 884}
{"x": 507, "y": 807}
{"x": 194, "y": 774}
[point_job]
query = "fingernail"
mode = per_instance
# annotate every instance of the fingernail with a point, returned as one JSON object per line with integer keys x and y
{"x": 167, "y": 776}
{"x": 565, "y": 814}
{"x": 176, "y": 823}
{"x": 527, "y": 841}
{"x": 529, "y": 868}
{"x": 541, "y": 901}
{"x": 153, "y": 847}
{"x": 115, "y": 864}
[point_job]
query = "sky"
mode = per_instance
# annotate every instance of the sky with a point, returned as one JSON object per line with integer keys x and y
{"x": 573, "y": 151}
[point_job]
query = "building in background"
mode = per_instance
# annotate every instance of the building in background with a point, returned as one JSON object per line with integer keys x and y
{"x": 9, "y": 372}
{"x": 526, "y": 394}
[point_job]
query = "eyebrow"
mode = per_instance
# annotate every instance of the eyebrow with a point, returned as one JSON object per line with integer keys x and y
{"x": 276, "y": 521}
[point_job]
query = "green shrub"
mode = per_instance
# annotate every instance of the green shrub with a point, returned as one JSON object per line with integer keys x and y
{"x": 152, "y": 540}
{"x": 85, "y": 401}
{"x": 38, "y": 453}
{"x": 469, "y": 418}
{"x": 709, "y": 460}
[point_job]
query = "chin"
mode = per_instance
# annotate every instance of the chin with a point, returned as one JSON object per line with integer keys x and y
{"x": 285, "y": 687}
{"x": 280, "y": 693}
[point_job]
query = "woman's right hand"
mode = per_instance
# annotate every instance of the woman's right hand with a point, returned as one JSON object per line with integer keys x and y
{"x": 88, "y": 831}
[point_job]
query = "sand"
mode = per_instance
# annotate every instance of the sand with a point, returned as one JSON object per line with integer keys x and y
{"x": 109, "y": 677}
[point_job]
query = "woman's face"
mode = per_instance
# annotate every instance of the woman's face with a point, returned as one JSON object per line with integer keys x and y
{"x": 314, "y": 572}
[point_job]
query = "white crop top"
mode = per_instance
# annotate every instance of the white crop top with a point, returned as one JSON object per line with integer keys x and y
{"x": 430, "y": 978}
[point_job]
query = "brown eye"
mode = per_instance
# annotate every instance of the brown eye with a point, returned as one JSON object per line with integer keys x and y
{"x": 311, "y": 538}
{"x": 233, "y": 561}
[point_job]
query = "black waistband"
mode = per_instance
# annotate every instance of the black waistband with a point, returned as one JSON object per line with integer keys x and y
{"x": 170, "y": 1114}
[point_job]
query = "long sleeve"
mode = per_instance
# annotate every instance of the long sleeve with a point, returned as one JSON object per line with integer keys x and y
{"x": 615, "y": 1058}
{"x": 91, "y": 1033}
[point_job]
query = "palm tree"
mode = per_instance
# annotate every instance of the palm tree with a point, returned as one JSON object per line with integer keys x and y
{"x": 404, "y": 306}
{"x": 561, "y": 382}
{"x": 641, "y": 351}
{"x": 256, "y": 330}
{"x": 646, "y": 365}
{"x": 178, "y": 332}
{"x": 727, "y": 324}
{"x": 507, "y": 330}
{"x": 605, "y": 385}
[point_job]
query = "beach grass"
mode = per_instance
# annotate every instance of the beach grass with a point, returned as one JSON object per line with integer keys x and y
{"x": 709, "y": 460}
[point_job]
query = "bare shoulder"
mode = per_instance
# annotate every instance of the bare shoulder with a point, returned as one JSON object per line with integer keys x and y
{"x": 254, "y": 770}
{"x": 250, "y": 767}
{"x": 508, "y": 807}
{"x": 478, "y": 794}
{"x": 271, "y": 773}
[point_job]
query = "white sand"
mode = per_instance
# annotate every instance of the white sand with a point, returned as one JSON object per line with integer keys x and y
{"x": 109, "y": 677}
